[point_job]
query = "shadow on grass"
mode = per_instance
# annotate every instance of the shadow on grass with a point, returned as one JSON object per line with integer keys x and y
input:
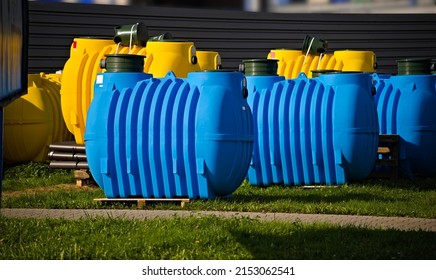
{"x": 420, "y": 183}
{"x": 339, "y": 243}
{"x": 369, "y": 190}
{"x": 309, "y": 197}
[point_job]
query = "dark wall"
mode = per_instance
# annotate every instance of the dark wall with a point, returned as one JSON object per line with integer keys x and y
{"x": 236, "y": 35}
{"x": 212, "y": 4}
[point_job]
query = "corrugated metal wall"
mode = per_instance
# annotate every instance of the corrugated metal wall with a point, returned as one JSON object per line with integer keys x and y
{"x": 236, "y": 35}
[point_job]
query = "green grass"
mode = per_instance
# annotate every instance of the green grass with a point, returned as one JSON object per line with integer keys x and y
{"x": 34, "y": 175}
{"x": 37, "y": 186}
{"x": 409, "y": 198}
{"x": 204, "y": 238}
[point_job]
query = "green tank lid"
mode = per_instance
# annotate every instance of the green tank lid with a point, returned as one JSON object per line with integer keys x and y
{"x": 317, "y": 73}
{"x": 132, "y": 34}
{"x": 314, "y": 45}
{"x": 162, "y": 37}
{"x": 414, "y": 66}
{"x": 259, "y": 67}
{"x": 123, "y": 63}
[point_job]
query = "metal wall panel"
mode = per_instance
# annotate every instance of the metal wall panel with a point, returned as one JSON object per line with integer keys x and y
{"x": 236, "y": 35}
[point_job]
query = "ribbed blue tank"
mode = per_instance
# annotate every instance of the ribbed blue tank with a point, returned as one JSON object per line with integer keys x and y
{"x": 406, "y": 105}
{"x": 265, "y": 165}
{"x": 322, "y": 130}
{"x": 170, "y": 137}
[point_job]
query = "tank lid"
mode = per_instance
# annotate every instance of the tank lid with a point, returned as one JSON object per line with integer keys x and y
{"x": 132, "y": 34}
{"x": 218, "y": 71}
{"x": 162, "y": 37}
{"x": 314, "y": 45}
{"x": 259, "y": 67}
{"x": 414, "y": 66}
{"x": 123, "y": 63}
{"x": 317, "y": 73}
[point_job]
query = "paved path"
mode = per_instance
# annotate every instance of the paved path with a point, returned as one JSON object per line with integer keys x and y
{"x": 400, "y": 223}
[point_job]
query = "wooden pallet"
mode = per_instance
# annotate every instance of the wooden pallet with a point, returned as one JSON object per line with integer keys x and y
{"x": 387, "y": 157}
{"x": 142, "y": 202}
{"x": 83, "y": 177}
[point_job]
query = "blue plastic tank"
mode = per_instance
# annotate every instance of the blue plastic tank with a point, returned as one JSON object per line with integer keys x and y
{"x": 265, "y": 167}
{"x": 406, "y": 105}
{"x": 320, "y": 131}
{"x": 100, "y": 114}
{"x": 170, "y": 137}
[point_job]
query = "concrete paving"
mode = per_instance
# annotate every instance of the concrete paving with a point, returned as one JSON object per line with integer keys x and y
{"x": 374, "y": 222}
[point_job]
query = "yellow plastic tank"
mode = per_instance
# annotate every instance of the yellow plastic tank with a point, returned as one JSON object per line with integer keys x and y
{"x": 78, "y": 78}
{"x": 209, "y": 60}
{"x": 163, "y": 56}
{"x": 80, "y": 71}
{"x": 79, "y": 75}
{"x": 34, "y": 121}
{"x": 286, "y": 60}
{"x": 293, "y": 62}
{"x": 353, "y": 60}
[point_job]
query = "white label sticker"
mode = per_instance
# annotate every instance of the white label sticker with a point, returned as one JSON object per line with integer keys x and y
{"x": 99, "y": 80}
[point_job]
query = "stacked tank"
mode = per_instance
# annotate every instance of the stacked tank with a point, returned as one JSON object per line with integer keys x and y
{"x": 169, "y": 137}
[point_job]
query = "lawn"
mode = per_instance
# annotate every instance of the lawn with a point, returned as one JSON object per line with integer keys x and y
{"x": 47, "y": 188}
{"x": 205, "y": 238}
{"x": 37, "y": 186}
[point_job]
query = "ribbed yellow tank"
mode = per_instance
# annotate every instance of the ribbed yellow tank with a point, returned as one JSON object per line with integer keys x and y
{"x": 78, "y": 78}
{"x": 351, "y": 60}
{"x": 209, "y": 60}
{"x": 81, "y": 69}
{"x": 286, "y": 60}
{"x": 163, "y": 56}
{"x": 34, "y": 121}
{"x": 293, "y": 62}
{"x": 79, "y": 75}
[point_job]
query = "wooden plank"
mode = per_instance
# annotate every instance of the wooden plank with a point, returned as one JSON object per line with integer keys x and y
{"x": 81, "y": 174}
{"x": 388, "y": 165}
{"x": 83, "y": 177}
{"x": 383, "y": 150}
